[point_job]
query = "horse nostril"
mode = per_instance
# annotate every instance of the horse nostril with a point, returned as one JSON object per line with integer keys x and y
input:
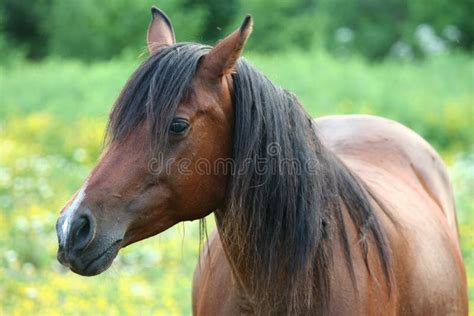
{"x": 82, "y": 232}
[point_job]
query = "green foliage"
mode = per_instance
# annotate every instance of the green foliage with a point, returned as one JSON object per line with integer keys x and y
{"x": 441, "y": 14}
{"x": 22, "y": 23}
{"x": 280, "y": 25}
{"x": 86, "y": 30}
{"x": 377, "y": 26}
{"x": 219, "y": 14}
{"x": 462, "y": 175}
{"x": 373, "y": 25}
{"x": 52, "y": 119}
{"x": 90, "y": 30}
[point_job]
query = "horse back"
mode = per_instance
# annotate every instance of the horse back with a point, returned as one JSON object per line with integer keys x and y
{"x": 388, "y": 145}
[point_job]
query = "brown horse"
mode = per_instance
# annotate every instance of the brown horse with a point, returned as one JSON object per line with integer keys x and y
{"x": 345, "y": 215}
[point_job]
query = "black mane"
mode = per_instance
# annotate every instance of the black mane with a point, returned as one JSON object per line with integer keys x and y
{"x": 278, "y": 224}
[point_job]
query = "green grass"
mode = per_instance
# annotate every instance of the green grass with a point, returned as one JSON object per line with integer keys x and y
{"x": 52, "y": 118}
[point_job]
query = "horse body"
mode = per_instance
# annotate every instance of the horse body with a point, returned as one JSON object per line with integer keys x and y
{"x": 408, "y": 175}
{"x": 350, "y": 214}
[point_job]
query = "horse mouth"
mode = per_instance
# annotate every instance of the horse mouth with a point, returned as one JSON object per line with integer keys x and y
{"x": 98, "y": 263}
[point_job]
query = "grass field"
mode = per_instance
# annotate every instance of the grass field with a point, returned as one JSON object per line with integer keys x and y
{"x": 52, "y": 118}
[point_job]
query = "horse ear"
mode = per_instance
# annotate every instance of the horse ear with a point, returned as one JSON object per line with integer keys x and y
{"x": 160, "y": 31}
{"x": 222, "y": 58}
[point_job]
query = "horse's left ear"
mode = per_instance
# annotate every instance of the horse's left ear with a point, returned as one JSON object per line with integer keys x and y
{"x": 221, "y": 59}
{"x": 160, "y": 31}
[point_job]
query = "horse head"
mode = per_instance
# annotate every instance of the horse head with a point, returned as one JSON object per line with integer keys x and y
{"x": 168, "y": 130}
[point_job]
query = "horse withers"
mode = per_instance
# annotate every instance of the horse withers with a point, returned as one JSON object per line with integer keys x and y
{"x": 342, "y": 215}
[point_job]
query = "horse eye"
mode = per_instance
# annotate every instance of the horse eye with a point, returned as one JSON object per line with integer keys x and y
{"x": 179, "y": 126}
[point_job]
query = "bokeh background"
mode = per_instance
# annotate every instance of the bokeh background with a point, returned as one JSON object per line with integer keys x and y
{"x": 63, "y": 62}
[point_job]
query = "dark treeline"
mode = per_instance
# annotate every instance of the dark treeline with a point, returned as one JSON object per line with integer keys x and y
{"x": 90, "y": 30}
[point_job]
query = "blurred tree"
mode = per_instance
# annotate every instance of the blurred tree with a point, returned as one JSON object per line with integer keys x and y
{"x": 450, "y": 19}
{"x": 219, "y": 14}
{"x": 280, "y": 25}
{"x": 22, "y": 23}
{"x": 89, "y": 30}
{"x": 86, "y": 30}
{"x": 374, "y": 26}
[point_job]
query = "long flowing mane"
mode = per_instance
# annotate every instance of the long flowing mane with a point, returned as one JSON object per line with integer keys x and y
{"x": 283, "y": 221}
{"x": 279, "y": 222}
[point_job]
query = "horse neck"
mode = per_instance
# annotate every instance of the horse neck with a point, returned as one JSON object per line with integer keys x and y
{"x": 240, "y": 274}
{"x": 274, "y": 225}
{"x": 345, "y": 226}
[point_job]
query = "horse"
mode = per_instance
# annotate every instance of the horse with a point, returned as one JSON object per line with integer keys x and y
{"x": 341, "y": 215}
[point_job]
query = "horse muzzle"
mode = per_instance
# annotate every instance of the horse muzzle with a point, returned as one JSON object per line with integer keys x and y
{"x": 80, "y": 249}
